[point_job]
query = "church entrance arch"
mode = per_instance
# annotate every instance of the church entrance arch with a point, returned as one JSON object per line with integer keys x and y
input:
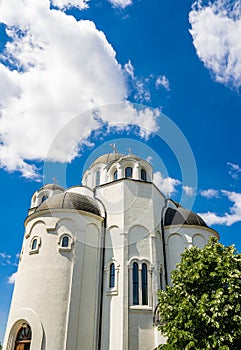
{"x": 23, "y": 339}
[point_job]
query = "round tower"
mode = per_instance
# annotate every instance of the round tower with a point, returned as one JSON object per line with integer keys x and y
{"x": 55, "y": 304}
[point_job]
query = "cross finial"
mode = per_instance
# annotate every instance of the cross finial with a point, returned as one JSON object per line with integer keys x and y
{"x": 129, "y": 151}
{"x": 54, "y": 180}
{"x": 113, "y": 146}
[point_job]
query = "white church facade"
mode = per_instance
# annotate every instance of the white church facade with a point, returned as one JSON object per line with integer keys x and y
{"x": 94, "y": 257}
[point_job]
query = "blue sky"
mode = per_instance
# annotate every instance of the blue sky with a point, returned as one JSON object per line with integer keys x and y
{"x": 74, "y": 74}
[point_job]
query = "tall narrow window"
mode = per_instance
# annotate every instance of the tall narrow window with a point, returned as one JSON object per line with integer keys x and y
{"x": 115, "y": 175}
{"x": 161, "y": 286}
{"x": 34, "y": 244}
{"x": 135, "y": 284}
{"x": 128, "y": 171}
{"x": 97, "y": 178}
{"x": 144, "y": 284}
{"x": 112, "y": 275}
{"x": 65, "y": 242}
{"x": 143, "y": 175}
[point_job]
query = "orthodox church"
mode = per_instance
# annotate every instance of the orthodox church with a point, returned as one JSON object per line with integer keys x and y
{"x": 94, "y": 257}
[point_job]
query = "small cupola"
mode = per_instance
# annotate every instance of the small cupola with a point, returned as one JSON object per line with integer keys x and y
{"x": 45, "y": 193}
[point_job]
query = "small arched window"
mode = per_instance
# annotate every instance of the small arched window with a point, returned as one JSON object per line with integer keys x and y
{"x": 128, "y": 172}
{"x": 115, "y": 176}
{"x": 97, "y": 178}
{"x": 34, "y": 244}
{"x": 135, "y": 279}
{"x": 112, "y": 276}
{"x": 65, "y": 241}
{"x": 23, "y": 339}
{"x": 44, "y": 198}
{"x": 143, "y": 175}
{"x": 144, "y": 284}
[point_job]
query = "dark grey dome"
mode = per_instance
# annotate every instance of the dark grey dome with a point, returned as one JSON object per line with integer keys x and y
{"x": 70, "y": 200}
{"x": 52, "y": 187}
{"x": 181, "y": 216}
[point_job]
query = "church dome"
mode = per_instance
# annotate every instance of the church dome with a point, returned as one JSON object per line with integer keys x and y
{"x": 52, "y": 187}
{"x": 68, "y": 200}
{"x": 181, "y": 216}
{"x": 107, "y": 158}
{"x": 113, "y": 157}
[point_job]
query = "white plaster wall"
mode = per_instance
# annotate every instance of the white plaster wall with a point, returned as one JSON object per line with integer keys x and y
{"x": 45, "y": 283}
{"x": 132, "y": 208}
{"x": 179, "y": 237}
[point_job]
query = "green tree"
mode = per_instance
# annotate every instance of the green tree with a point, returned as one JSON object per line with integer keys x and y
{"x": 0, "y": 346}
{"x": 202, "y": 308}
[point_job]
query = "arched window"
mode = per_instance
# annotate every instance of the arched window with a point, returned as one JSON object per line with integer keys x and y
{"x": 135, "y": 279}
{"x": 112, "y": 276}
{"x": 115, "y": 175}
{"x": 44, "y": 198}
{"x": 143, "y": 175}
{"x": 23, "y": 340}
{"x": 97, "y": 178}
{"x": 34, "y": 244}
{"x": 144, "y": 284}
{"x": 65, "y": 241}
{"x": 128, "y": 171}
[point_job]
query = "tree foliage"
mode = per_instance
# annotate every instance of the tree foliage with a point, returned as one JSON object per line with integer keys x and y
{"x": 202, "y": 308}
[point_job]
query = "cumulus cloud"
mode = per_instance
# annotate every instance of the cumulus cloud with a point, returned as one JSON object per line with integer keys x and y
{"x": 227, "y": 219}
{"x": 234, "y": 170}
{"x": 120, "y": 3}
{"x": 188, "y": 190}
{"x": 12, "y": 278}
{"x": 65, "y": 4}
{"x": 54, "y": 68}
{"x": 210, "y": 193}
{"x": 215, "y": 29}
{"x": 162, "y": 80}
{"x": 167, "y": 185}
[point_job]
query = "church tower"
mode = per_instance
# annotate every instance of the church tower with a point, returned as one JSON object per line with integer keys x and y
{"x": 93, "y": 258}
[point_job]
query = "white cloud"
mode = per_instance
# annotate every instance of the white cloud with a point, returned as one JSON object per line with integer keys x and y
{"x": 149, "y": 159}
{"x": 162, "y": 80}
{"x": 210, "y": 193}
{"x": 216, "y": 30}
{"x": 60, "y": 68}
{"x": 234, "y": 170}
{"x": 129, "y": 69}
{"x": 167, "y": 185}
{"x": 139, "y": 85}
{"x": 12, "y": 278}
{"x": 5, "y": 259}
{"x": 120, "y": 3}
{"x": 189, "y": 191}
{"x": 65, "y": 4}
{"x": 227, "y": 219}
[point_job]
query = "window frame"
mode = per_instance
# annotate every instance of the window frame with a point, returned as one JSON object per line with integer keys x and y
{"x": 35, "y": 249}
{"x": 145, "y": 303}
{"x": 112, "y": 289}
{"x": 143, "y": 171}
{"x": 115, "y": 175}
{"x": 67, "y": 248}
{"x": 126, "y": 175}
